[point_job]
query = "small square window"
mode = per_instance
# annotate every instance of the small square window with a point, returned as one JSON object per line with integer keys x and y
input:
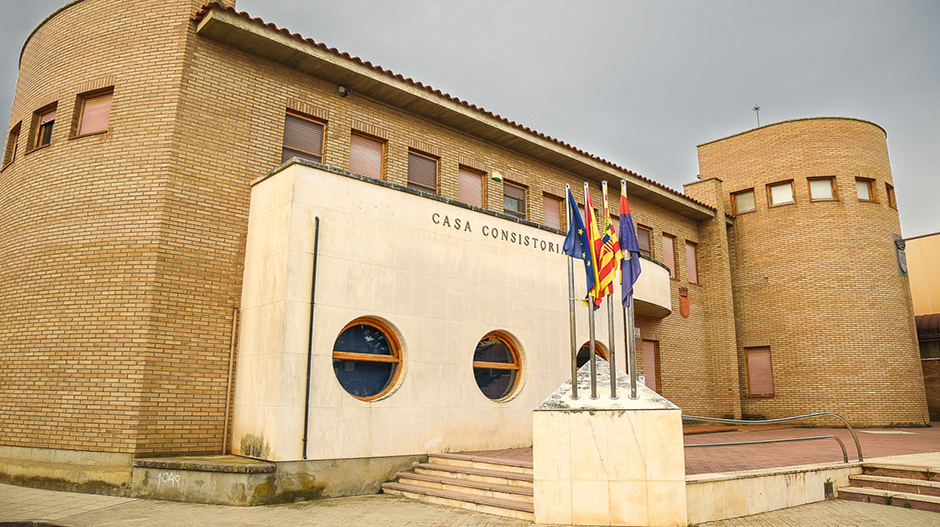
{"x": 780, "y": 193}
{"x": 743, "y": 201}
{"x": 303, "y": 138}
{"x": 822, "y": 189}
{"x": 552, "y": 211}
{"x": 892, "y": 201}
{"x": 13, "y": 142}
{"x": 865, "y": 188}
{"x": 644, "y": 238}
{"x": 470, "y": 186}
{"x": 422, "y": 172}
{"x": 45, "y": 123}
{"x": 514, "y": 199}
{"x": 691, "y": 262}
{"x": 95, "y": 113}
{"x": 669, "y": 254}
{"x": 366, "y": 156}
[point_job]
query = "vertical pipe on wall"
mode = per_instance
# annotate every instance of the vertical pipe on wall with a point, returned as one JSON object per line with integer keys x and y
{"x": 313, "y": 296}
{"x": 228, "y": 383}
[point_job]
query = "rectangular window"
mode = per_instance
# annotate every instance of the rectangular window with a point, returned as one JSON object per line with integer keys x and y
{"x": 644, "y": 238}
{"x": 650, "y": 352}
{"x": 743, "y": 201}
{"x": 760, "y": 373}
{"x": 470, "y": 186}
{"x": 780, "y": 193}
{"x": 669, "y": 254}
{"x": 95, "y": 113}
{"x": 366, "y": 156}
{"x": 303, "y": 138}
{"x": 422, "y": 172}
{"x": 514, "y": 199}
{"x": 821, "y": 189}
{"x": 892, "y": 201}
{"x": 13, "y": 142}
{"x": 865, "y": 189}
{"x": 691, "y": 262}
{"x": 45, "y": 122}
{"x": 552, "y": 211}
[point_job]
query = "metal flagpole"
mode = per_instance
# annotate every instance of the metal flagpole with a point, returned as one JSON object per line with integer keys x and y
{"x": 571, "y": 303}
{"x": 612, "y": 358}
{"x": 591, "y": 308}
{"x": 629, "y": 336}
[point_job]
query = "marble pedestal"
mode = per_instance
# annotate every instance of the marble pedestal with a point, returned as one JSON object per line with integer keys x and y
{"x": 608, "y": 462}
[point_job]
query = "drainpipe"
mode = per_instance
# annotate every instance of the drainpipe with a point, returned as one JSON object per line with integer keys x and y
{"x": 313, "y": 291}
{"x": 228, "y": 384}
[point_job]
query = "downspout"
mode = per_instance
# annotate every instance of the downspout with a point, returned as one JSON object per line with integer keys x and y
{"x": 228, "y": 384}
{"x": 313, "y": 296}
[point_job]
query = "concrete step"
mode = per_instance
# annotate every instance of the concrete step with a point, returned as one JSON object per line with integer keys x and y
{"x": 499, "y": 507}
{"x": 911, "y": 486}
{"x": 505, "y": 492}
{"x": 484, "y": 462}
{"x": 496, "y": 477}
{"x": 888, "y": 497}
{"x": 900, "y": 471}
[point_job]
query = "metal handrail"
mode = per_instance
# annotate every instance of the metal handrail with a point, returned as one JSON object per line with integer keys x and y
{"x": 845, "y": 454}
{"x": 858, "y": 446}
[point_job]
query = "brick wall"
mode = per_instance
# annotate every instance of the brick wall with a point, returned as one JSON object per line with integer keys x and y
{"x": 818, "y": 280}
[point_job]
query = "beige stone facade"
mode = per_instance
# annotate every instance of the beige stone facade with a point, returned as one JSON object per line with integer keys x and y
{"x": 123, "y": 253}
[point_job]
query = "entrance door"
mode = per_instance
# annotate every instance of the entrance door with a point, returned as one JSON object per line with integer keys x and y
{"x": 650, "y": 351}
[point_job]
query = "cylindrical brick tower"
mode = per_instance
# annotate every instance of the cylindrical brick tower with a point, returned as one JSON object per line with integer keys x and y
{"x": 822, "y": 310}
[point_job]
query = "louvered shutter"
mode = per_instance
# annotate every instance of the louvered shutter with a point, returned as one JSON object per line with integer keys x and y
{"x": 95, "y": 114}
{"x": 669, "y": 254}
{"x": 470, "y": 189}
{"x": 422, "y": 173}
{"x": 691, "y": 262}
{"x": 760, "y": 378}
{"x": 551, "y": 207}
{"x": 47, "y": 118}
{"x": 649, "y": 364}
{"x": 303, "y": 138}
{"x": 365, "y": 156}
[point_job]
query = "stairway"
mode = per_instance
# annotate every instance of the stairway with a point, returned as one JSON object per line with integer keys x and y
{"x": 484, "y": 484}
{"x": 898, "y": 485}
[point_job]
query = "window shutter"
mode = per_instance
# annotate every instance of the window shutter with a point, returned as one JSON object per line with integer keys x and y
{"x": 302, "y": 138}
{"x": 47, "y": 118}
{"x": 669, "y": 254}
{"x": 552, "y": 211}
{"x": 760, "y": 378}
{"x": 422, "y": 173}
{"x": 649, "y": 364}
{"x": 365, "y": 156}
{"x": 470, "y": 188}
{"x": 95, "y": 114}
{"x": 691, "y": 262}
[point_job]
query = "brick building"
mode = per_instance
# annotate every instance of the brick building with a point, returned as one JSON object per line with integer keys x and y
{"x": 139, "y": 315}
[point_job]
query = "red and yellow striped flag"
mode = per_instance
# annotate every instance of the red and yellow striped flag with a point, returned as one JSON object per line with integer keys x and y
{"x": 609, "y": 256}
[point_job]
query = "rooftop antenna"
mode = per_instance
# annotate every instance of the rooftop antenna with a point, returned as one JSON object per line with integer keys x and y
{"x": 757, "y": 111}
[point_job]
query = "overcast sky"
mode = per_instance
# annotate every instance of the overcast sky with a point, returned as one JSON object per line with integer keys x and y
{"x": 640, "y": 83}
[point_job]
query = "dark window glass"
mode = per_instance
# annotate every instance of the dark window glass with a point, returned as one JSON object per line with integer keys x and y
{"x": 495, "y": 367}
{"x": 365, "y": 360}
{"x": 584, "y": 354}
{"x": 46, "y": 124}
{"x": 644, "y": 238}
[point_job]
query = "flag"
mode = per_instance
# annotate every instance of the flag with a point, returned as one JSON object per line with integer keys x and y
{"x": 590, "y": 223}
{"x": 577, "y": 244}
{"x": 630, "y": 265}
{"x": 609, "y": 255}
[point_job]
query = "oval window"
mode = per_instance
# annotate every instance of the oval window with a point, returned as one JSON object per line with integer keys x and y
{"x": 366, "y": 359}
{"x": 496, "y": 366}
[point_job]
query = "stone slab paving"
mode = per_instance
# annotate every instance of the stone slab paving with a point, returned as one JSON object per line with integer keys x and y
{"x": 835, "y": 513}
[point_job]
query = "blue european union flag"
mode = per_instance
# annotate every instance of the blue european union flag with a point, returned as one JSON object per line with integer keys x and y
{"x": 577, "y": 244}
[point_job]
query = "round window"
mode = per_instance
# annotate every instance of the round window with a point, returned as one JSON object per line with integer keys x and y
{"x": 584, "y": 354}
{"x": 366, "y": 359}
{"x": 496, "y": 366}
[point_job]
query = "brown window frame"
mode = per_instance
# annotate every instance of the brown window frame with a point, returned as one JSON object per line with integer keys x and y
{"x": 770, "y": 199}
{"x": 892, "y": 199}
{"x": 525, "y": 201}
{"x": 310, "y": 119}
{"x": 747, "y": 366}
{"x": 872, "y": 195}
{"x": 648, "y": 230}
{"x": 464, "y": 169}
{"x": 516, "y": 363}
{"x": 12, "y": 146}
{"x": 37, "y": 135}
{"x": 437, "y": 172}
{"x": 395, "y": 357}
{"x": 734, "y": 200}
{"x": 78, "y": 120}
{"x": 674, "y": 269}
{"x": 546, "y": 198}
{"x": 382, "y": 145}
{"x": 657, "y": 364}
{"x": 691, "y": 267}
{"x": 832, "y": 186}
